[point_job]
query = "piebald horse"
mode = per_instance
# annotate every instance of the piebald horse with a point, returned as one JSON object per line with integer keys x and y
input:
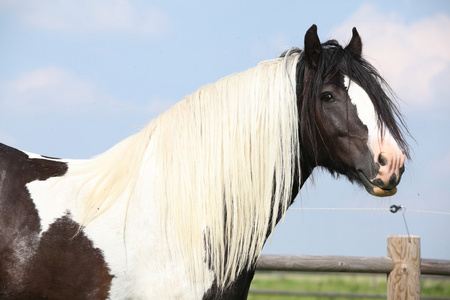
{"x": 182, "y": 209}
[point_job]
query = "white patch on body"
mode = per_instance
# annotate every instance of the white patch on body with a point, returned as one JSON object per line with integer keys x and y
{"x": 33, "y": 155}
{"x": 139, "y": 258}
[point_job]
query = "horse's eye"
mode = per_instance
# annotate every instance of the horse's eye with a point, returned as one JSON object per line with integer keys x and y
{"x": 326, "y": 97}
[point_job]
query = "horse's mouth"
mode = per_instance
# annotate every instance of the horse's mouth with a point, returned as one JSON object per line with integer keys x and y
{"x": 374, "y": 189}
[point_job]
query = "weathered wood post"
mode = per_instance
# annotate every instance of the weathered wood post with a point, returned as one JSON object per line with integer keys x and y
{"x": 404, "y": 280}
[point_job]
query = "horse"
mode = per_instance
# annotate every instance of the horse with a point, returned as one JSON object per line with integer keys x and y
{"x": 182, "y": 209}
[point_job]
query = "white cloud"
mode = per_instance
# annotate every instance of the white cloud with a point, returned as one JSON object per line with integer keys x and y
{"x": 411, "y": 56}
{"x": 89, "y": 16}
{"x": 50, "y": 89}
{"x": 55, "y": 90}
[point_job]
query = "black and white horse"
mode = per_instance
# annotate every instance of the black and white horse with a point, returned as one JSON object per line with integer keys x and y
{"x": 182, "y": 209}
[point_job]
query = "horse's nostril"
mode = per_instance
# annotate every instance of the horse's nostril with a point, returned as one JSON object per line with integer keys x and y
{"x": 402, "y": 169}
{"x": 393, "y": 180}
{"x": 381, "y": 160}
{"x": 378, "y": 182}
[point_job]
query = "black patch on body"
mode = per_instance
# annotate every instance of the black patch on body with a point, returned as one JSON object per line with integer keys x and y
{"x": 57, "y": 265}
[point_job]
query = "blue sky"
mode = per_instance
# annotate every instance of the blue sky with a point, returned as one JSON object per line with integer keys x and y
{"x": 76, "y": 78}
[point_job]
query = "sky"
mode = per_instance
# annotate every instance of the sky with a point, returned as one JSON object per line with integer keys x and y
{"x": 78, "y": 77}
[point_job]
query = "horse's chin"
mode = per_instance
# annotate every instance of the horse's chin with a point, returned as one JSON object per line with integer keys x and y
{"x": 374, "y": 189}
{"x": 379, "y": 192}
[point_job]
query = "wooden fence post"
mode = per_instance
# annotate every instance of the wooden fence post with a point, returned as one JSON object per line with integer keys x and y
{"x": 404, "y": 280}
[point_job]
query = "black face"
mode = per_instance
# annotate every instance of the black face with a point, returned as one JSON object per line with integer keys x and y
{"x": 336, "y": 131}
{"x": 342, "y": 137}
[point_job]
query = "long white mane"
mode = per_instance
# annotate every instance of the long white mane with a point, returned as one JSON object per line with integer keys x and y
{"x": 225, "y": 162}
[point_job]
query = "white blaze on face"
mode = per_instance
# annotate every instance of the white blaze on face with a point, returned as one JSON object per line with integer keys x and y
{"x": 364, "y": 107}
{"x": 385, "y": 145}
{"x": 367, "y": 115}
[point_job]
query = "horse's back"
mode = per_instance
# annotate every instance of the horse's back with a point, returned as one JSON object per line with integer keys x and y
{"x": 37, "y": 262}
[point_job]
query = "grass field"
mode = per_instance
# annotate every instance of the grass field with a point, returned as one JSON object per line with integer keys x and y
{"x": 328, "y": 283}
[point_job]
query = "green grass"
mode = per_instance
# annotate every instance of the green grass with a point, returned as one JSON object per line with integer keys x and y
{"x": 336, "y": 283}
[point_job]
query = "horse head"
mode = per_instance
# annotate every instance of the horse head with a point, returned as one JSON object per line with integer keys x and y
{"x": 348, "y": 123}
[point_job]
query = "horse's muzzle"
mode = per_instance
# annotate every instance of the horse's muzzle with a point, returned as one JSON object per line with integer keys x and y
{"x": 390, "y": 169}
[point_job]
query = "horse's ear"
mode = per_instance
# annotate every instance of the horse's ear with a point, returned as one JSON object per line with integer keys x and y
{"x": 355, "y": 45}
{"x": 312, "y": 46}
